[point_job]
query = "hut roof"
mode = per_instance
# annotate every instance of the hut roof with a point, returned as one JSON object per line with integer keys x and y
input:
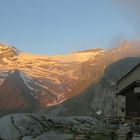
{"x": 134, "y": 84}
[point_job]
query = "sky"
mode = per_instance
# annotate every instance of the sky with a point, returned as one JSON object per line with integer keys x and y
{"x": 63, "y": 26}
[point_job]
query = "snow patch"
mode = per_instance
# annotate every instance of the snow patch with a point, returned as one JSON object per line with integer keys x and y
{"x": 99, "y": 112}
{"x": 25, "y": 81}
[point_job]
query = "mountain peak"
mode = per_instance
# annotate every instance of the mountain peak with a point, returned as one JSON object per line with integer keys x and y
{"x": 4, "y": 47}
{"x": 7, "y": 52}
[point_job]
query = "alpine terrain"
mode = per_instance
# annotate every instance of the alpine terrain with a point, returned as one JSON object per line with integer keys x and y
{"x": 61, "y": 97}
{"x": 29, "y": 82}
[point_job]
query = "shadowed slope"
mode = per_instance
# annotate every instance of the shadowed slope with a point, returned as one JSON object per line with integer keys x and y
{"x": 15, "y": 96}
{"x": 99, "y": 97}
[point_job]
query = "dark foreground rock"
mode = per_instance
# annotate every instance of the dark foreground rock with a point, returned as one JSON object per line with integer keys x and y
{"x": 31, "y": 127}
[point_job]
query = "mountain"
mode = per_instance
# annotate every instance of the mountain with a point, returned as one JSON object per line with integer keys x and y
{"x": 7, "y": 53}
{"x": 15, "y": 95}
{"x": 98, "y": 99}
{"x": 53, "y": 79}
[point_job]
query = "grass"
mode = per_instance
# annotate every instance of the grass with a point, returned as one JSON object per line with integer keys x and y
{"x": 74, "y": 137}
{"x": 103, "y": 137}
{"x": 98, "y": 136}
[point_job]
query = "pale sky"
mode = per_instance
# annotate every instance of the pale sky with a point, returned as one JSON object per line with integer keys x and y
{"x": 63, "y": 26}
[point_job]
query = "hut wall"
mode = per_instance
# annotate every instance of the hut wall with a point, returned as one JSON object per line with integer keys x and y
{"x": 130, "y": 78}
{"x": 132, "y": 103}
{"x": 121, "y": 105}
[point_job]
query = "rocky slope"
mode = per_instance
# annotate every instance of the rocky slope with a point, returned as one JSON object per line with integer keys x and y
{"x": 16, "y": 96}
{"x": 99, "y": 99}
{"x": 31, "y": 127}
{"x": 53, "y": 79}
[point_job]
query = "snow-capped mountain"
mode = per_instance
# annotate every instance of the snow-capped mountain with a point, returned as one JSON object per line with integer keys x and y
{"x": 7, "y": 53}
{"x": 53, "y": 79}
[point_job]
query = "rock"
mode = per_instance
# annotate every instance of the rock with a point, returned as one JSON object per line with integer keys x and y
{"x": 30, "y": 127}
{"x": 54, "y": 135}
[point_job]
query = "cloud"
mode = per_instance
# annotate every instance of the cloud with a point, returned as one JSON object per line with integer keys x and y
{"x": 115, "y": 42}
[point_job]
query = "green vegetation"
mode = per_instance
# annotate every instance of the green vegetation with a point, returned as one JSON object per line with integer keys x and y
{"x": 101, "y": 136}
{"x": 96, "y": 136}
{"x": 74, "y": 137}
